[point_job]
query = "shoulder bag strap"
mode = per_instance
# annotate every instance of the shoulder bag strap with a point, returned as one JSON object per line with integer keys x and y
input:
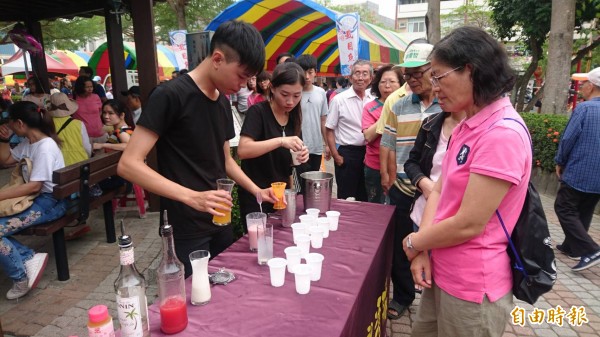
{"x": 64, "y": 125}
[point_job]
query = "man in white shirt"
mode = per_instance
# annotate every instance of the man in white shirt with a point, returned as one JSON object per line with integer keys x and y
{"x": 314, "y": 113}
{"x": 344, "y": 128}
{"x": 134, "y": 103}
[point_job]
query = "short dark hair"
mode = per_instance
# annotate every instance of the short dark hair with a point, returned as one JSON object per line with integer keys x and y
{"x": 240, "y": 42}
{"x": 290, "y": 73}
{"x": 307, "y": 61}
{"x": 379, "y": 74}
{"x": 491, "y": 74}
{"x": 183, "y": 71}
{"x": 87, "y": 70}
{"x": 282, "y": 55}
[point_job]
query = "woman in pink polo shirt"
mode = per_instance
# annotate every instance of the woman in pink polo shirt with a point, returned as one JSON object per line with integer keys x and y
{"x": 467, "y": 276}
{"x": 89, "y": 110}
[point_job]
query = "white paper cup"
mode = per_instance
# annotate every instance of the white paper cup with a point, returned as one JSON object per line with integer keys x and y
{"x": 316, "y": 237}
{"x": 315, "y": 261}
{"x": 299, "y": 229}
{"x": 323, "y": 223}
{"x": 292, "y": 255}
{"x": 277, "y": 271}
{"x": 304, "y": 244}
{"x": 302, "y": 273}
{"x": 334, "y": 218}
{"x": 313, "y": 211}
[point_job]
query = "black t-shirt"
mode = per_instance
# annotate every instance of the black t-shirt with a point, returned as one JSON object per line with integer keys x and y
{"x": 192, "y": 130}
{"x": 260, "y": 124}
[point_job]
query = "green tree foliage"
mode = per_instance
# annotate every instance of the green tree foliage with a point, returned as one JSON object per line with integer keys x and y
{"x": 469, "y": 14}
{"x": 72, "y": 34}
{"x": 365, "y": 14}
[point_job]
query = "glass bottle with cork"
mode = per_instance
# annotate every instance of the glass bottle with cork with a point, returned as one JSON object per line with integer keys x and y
{"x": 171, "y": 285}
{"x": 130, "y": 288}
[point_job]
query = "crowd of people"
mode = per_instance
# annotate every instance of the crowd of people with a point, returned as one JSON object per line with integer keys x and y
{"x": 435, "y": 136}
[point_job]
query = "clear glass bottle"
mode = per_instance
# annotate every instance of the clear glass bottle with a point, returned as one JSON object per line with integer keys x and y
{"x": 171, "y": 285}
{"x": 130, "y": 287}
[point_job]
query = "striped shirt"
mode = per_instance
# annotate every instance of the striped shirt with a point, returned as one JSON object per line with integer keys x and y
{"x": 401, "y": 129}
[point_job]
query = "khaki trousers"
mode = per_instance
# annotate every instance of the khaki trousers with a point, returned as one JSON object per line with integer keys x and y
{"x": 441, "y": 314}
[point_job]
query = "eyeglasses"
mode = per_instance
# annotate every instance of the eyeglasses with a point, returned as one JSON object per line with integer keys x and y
{"x": 390, "y": 82}
{"x": 435, "y": 80}
{"x": 416, "y": 75}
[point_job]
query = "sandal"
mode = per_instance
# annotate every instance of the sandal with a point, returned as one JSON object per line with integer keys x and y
{"x": 398, "y": 308}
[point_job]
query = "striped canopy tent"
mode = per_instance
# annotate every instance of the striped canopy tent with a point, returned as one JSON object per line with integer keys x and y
{"x": 69, "y": 58}
{"x": 305, "y": 27}
{"x": 100, "y": 63}
{"x": 85, "y": 55}
{"x": 16, "y": 65}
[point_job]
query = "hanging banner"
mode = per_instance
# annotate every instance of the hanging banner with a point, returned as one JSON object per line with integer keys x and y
{"x": 347, "y": 34}
{"x": 179, "y": 47}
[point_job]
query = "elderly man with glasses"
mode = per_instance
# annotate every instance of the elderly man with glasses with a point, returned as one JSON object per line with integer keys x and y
{"x": 344, "y": 128}
{"x": 401, "y": 129}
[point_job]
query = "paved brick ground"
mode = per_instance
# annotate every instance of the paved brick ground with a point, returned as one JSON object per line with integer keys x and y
{"x": 59, "y": 308}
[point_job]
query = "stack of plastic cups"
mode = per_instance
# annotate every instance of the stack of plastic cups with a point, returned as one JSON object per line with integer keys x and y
{"x": 293, "y": 255}
{"x": 299, "y": 229}
{"x": 316, "y": 237}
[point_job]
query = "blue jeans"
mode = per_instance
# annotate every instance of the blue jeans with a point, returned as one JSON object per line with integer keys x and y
{"x": 13, "y": 254}
{"x": 373, "y": 186}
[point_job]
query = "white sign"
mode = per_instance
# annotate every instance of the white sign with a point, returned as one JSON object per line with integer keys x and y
{"x": 347, "y": 34}
{"x": 179, "y": 47}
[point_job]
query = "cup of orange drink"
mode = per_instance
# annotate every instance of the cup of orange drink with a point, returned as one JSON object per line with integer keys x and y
{"x": 279, "y": 190}
{"x": 225, "y": 185}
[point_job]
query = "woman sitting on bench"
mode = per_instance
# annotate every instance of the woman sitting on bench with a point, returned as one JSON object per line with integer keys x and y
{"x": 39, "y": 145}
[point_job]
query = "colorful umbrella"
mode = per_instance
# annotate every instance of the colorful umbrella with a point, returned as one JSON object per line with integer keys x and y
{"x": 100, "y": 63}
{"x": 305, "y": 27}
{"x": 69, "y": 58}
{"x": 16, "y": 65}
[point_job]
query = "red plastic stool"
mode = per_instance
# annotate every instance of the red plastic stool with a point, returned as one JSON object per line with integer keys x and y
{"x": 140, "y": 199}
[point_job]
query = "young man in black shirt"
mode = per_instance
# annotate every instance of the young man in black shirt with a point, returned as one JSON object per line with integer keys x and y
{"x": 190, "y": 121}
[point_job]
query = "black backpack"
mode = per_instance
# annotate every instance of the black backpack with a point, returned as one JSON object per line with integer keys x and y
{"x": 530, "y": 248}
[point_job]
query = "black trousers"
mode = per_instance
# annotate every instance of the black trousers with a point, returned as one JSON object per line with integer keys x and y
{"x": 404, "y": 286}
{"x": 215, "y": 243}
{"x": 575, "y": 210}
{"x": 350, "y": 177}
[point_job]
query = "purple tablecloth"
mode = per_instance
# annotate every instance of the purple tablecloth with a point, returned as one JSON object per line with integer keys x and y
{"x": 350, "y": 299}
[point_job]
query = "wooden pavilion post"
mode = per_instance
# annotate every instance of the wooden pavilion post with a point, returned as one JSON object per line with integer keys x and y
{"x": 114, "y": 35}
{"x": 38, "y": 63}
{"x": 147, "y": 64}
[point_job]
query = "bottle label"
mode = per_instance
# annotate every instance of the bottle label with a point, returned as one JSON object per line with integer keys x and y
{"x": 130, "y": 316}
{"x": 126, "y": 257}
{"x": 106, "y": 330}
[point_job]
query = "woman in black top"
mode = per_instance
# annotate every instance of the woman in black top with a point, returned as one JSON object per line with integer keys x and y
{"x": 271, "y": 129}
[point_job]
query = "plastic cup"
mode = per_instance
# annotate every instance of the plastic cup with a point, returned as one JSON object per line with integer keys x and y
{"x": 279, "y": 190}
{"x": 277, "y": 271}
{"x": 304, "y": 244}
{"x": 292, "y": 255}
{"x": 265, "y": 243}
{"x": 299, "y": 229}
{"x": 314, "y": 212}
{"x": 302, "y": 273}
{"x": 252, "y": 221}
{"x": 295, "y": 160}
{"x": 307, "y": 219}
{"x": 323, "y": 223}
{"x": 225, "y": 185}
{"x": 315, "y": 261}
{"x": 316, "y": 237}
{"x": 334, "y": 218}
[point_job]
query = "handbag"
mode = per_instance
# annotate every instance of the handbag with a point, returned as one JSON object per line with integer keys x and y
{"x": 530, "y": 250}
{"x": 19, "y": 176}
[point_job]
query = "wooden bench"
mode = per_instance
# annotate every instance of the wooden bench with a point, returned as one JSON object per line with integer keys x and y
{"x": 78, "y": 178}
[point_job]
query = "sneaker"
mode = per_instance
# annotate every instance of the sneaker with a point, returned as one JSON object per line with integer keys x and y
{"x": 587, "y": 261}
{"x": 19, "y": 289}
{"x": 35, "y": 268}
{"x": 568, "y": 254}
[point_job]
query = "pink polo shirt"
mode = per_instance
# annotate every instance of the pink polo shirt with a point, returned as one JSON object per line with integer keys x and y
{"x": 485, "y": 144}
